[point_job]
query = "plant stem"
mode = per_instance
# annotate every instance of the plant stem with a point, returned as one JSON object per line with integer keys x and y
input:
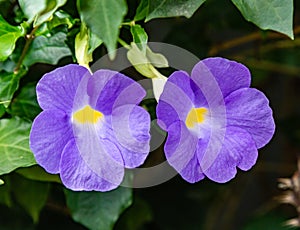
{"x": 131, "y": 23}
{"x": 29, "y": 39}
{"x": 269, "y": 66}
{"x": 246, "y": 39}
{"x": 123, "y": 43}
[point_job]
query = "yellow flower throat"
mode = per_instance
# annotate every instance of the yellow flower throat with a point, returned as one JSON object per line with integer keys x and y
{"x": 195, "y": 115}
{"x": 87, "y": 115}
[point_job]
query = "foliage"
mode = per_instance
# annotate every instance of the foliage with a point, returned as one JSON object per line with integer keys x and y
{"x": 97, "y": 210}
{"x": 274, "y": 15}
{"x": 14, "y": 145}
{"x": 8, "y": 37}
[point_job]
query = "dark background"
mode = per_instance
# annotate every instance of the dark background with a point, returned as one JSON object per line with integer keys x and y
{"x": 250, "y": 200}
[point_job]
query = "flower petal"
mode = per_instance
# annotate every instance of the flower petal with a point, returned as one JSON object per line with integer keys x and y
{"x": 238, "y": 150}
{"x": 176, "y": 100}
{"x": 100, "y": 155}
{"x": 229, "y": 75}
{"x": 192, "y": 172}
{"x": 166, "y": 115}
{"x": 249, "y": 109}
{"x": 183, "y": 81}
{"x": 109, "y": 89}
{"x": 57, "y": 89}
{"x": 180, "y": 150}
{"x": 50, "y": 132}
{"x": 187, "y": 85}
{"x": 77, "y": 175}
{"x": 131, "y": 129}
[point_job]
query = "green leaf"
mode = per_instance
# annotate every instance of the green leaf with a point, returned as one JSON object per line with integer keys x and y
{"x": 8, "y": 65}
{"x": 140, "y": 62}
{"x": 31, "y": 195}
{"x": 98, "y": 210}
{"x": 172, "y": 8}
{"x": 136, "y": 216}
{"x": 81, "y": 47}
{"x": 8, "y": 36}
{"x": 274, "y": 15}
{"x": 144, "y": 62}
{"x": 39, "y": 11}
{"x": 35, "y": 172}
{"x": 25, "y": 103}
{"x": 32, "y": 8}
{"x": 2, "y": 110}
{"x": 59, "y": 18}
{"x": 104, "y": 19}
{"x": 46, "y": 14}
{"x": 140, "y": 37}
{"x": 157, "y": 59}
{"x": 94, "y": 42}
{"x": 85, "y": 44}
{"x": 142, "y": 10}
{"x": 1, "y": 182}
{"x": 14, "y": 145}
{"x": 9, "y": 83}
{"x": 47, "y": 49}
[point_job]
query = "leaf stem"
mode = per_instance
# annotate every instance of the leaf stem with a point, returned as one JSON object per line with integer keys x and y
{"x": 131, "y": 23}
{"x": 124, "y": 44}
{"x": 29, "y": 39}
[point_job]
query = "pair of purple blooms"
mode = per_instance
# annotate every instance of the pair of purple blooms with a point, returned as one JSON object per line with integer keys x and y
{"x": 92, "y": 128}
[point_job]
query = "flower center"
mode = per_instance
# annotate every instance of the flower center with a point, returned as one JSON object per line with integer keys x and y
{"x": 87, "y": 115}
{"x": 196, "y": 115}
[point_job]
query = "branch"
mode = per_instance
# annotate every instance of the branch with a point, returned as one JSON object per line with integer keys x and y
{"x": 245, "y": 39}
{"x": 29, "y": 39}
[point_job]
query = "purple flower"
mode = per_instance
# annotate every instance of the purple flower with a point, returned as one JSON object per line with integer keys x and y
{"x": 215, "y": 121}
{"x": 91, "y": 127}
